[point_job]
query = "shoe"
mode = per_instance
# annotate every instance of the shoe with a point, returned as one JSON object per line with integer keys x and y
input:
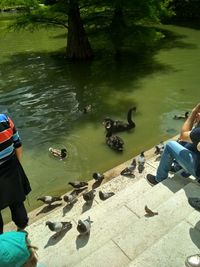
{"x": 194, "y": 202}
{"x": 193, "y": 261}
{"x": 185, "y": 174}
{"x": 151, "y": 179}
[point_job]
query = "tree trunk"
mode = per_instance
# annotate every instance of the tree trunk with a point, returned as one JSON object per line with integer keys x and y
{"x": 117, "y": 28}
{"x": 78, "y": 46}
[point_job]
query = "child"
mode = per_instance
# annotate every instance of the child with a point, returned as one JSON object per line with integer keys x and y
{"x": 17, "y": 251}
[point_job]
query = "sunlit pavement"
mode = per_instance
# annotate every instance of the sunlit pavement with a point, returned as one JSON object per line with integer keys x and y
{"x": 122, "y": 234}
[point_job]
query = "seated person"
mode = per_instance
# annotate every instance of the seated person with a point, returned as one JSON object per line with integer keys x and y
{"x": 188, "y": 157}
{"x": 16, "y": 250}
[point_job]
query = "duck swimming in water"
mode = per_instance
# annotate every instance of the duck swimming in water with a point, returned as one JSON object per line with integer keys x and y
{"x": 181, "y": 117}
{"x": 87, "y": 109}
{"x": 113, "y": 141}
{"x": 59, "y": 153}
{"x": 119, "y": 126}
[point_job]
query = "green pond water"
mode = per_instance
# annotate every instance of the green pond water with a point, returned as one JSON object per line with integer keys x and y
{"x": 45, "y": 95}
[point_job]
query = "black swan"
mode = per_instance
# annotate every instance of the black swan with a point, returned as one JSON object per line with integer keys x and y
{"x": 181, "y": 117}
{"x": 114, "y": 142}
{"x": 119, "y": 126}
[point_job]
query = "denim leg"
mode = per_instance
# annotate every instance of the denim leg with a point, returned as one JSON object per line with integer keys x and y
{"x": 186, "y": 158}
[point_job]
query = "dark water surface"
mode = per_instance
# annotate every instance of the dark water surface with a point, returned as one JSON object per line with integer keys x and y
{"x": 45, "y": 96}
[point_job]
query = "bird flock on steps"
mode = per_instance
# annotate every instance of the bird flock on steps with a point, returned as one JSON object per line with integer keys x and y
{"x": 81, "y": 188}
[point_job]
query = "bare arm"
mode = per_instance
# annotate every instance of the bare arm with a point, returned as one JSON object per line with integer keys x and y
{"x": 18, "y": 152}
{"x": 187, "y": 126}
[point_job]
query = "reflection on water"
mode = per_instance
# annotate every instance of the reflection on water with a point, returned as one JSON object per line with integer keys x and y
{"x": 45, "y": 96}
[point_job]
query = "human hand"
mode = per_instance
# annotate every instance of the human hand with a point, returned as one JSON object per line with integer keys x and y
{"x": 198, "y": 146}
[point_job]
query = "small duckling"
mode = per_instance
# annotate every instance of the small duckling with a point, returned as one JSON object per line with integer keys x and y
{"x": 59, "y": 153}
{"x": 181, "y": 117}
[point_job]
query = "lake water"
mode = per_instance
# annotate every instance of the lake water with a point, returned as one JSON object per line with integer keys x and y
{"x": 45, "y": 96}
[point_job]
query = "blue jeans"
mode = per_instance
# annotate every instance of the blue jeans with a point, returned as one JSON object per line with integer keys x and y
{"x": 187, "y": 159}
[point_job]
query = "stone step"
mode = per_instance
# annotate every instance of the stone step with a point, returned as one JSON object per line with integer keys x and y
{"x": 116, "y": 185}
{"x": 109, "y": 255}
{"x": 162, "y": 191}
{"x": 103, "y": 208}
{"x": 148, "y": 230}
{"x": 172, "y": 249}
{"x": 110, "y": 218}
{"x": 125, "y": 189}
{"x": 74, "y": 248}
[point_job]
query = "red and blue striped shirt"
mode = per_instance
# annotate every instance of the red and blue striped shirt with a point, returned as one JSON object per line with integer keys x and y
{"x": 9, "y": 138}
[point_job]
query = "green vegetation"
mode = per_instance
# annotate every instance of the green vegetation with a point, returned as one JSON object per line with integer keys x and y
{"x": 119, "y": 24}
{"x": 186, "y": 9}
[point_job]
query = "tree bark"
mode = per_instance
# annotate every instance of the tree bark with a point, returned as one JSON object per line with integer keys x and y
{"x": 78, "y": 46}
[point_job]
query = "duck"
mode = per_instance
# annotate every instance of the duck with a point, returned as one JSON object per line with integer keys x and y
{"x": 87, "y": 109}
{"x": 59, "y": 153}
{"x": 120, "y": 126}
{"x": 181, "y": 117}
{"x": 113, "y": 141}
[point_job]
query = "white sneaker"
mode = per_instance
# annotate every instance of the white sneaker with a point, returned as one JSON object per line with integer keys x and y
{"x": 193, "y": 261}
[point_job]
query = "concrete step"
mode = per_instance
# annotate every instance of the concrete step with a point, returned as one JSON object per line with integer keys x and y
{"x": 162, "y": 191}
{"x": 101, "y": 209}
{"x": 124, "y": 188}
{"x": 115, "y": 185}
{"x": 173, "y": 248}
{"x": 144, "y": 233}
{"x": 110, "y": 218}
{"x": 109, "y": 255}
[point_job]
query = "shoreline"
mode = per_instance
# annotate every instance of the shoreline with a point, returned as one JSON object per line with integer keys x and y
{"x": 41, "y": 211}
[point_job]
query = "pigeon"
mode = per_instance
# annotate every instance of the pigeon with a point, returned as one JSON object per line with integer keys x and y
{"x": 58, "y": 227}
{"x": 89, "y": 196}
{"x": 70, "y": 199}
{"x": 49, "y": 199}
{"x": 129, "y": 170}
{"x": 84, "y": 226}
{"x": 159, "y": 148}
{"x": 59, "y": 153}
{"x": 78, "y": 184}
{"x": 104, "y": 196}
{"x": 150, "y": 212}
{"x": 141, "y": 162}
{"x": 98, "y": 176}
